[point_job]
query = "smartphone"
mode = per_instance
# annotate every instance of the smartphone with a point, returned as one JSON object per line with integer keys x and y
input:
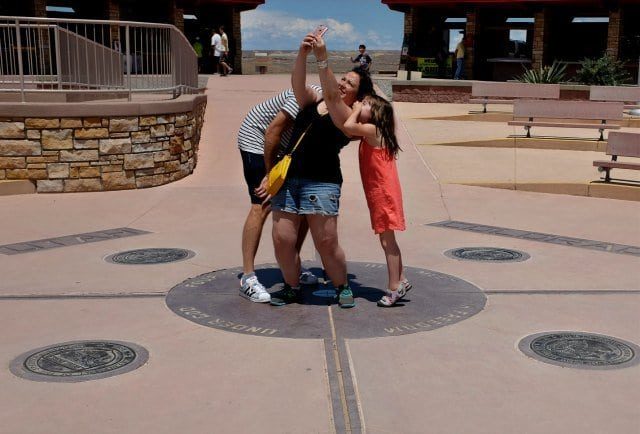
{"x": 320, "y": 31}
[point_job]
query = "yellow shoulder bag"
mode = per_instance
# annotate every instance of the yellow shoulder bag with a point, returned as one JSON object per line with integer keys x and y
{"x": 278, "y": 173}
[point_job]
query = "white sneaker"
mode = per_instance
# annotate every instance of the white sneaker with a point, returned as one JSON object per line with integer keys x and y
{"x": 252, "y": 289}
{"x": 308, "y": 278}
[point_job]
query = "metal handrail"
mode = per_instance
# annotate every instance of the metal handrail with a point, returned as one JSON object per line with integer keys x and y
{"x": 100, "y": 56}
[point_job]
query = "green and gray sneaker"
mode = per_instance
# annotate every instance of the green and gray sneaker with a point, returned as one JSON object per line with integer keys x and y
{"x": 286, "y": 295}
{"x": 345, "y": 297}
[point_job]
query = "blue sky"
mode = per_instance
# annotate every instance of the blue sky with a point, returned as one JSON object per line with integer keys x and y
{"x": 281, "y": 24}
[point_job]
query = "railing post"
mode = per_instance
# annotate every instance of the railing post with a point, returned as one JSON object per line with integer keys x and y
{"x": 127, "y": 59}
{"x": 173, "y": 62}
{"x": 20, "y": 69}
{"x": 636, "y": 111}
{"x": 58, "y": 56}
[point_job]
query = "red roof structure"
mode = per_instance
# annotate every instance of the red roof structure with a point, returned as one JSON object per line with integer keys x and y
{"x": 241, "y": 4}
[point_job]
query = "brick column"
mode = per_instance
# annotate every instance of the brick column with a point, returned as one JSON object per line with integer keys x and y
{"x": 541, "y": 32}
{"x": 235, "y": 43}
{"x": 407, "y": 42}
{"x": 470, "y": 32}
{"x": 614, "y": 33}
{"x": 39, "y": 8}
{"x": 113, "y": 13}
{"x": 176, "y": 15}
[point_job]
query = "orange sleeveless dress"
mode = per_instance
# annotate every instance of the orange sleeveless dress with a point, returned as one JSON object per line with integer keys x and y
{"x": 381, "y": 188}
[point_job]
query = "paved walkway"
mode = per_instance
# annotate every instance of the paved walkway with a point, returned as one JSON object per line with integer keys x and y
{"x": 468, "y": 377}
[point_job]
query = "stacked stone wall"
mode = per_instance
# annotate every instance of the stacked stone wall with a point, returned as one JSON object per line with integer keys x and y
{"x": 70, "y": 154}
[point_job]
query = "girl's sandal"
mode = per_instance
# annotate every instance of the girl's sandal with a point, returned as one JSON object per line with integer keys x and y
{"x": 392, "y": 297}
{"x": 405, "y": 285}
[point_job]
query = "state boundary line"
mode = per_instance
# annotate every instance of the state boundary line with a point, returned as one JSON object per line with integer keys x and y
{"x": 81, "y": 296}
{"x": 346, "y": 403}
{"x": 555, "y": 292}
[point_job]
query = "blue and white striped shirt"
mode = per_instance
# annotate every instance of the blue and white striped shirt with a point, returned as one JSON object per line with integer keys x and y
{"x": 254, "y": 126}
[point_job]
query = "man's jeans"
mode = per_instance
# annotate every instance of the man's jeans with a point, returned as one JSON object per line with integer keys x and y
{"x": 459, "y": 69}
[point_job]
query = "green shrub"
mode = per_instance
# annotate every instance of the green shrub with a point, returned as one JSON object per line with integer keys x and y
{"x": 554, "y": 73}
{"x": 604, "y": 71}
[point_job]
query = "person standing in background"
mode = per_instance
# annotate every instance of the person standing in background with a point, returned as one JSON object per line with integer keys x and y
{"x": 363, "y": 58}
{"x": 216, "y": 44}
{"x": 460, "y": 51}
{"x": 224, "y": 58}
{"x": 198, "y": 48}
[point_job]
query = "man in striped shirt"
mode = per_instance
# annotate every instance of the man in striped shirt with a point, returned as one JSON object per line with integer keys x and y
{"x": 267, "y": 125}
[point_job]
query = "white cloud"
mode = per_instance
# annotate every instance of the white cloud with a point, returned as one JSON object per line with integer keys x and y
{"x": 273, "y": 29}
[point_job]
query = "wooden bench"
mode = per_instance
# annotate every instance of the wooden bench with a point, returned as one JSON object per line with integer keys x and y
{"x": 483, "y": 90}
{"x": 580, "y": 110}
{"x": 630, "y": 95}
{"x": 620, "y": 144}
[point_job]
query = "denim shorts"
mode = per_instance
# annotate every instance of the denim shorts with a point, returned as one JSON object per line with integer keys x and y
{"x": 303, "y": 196}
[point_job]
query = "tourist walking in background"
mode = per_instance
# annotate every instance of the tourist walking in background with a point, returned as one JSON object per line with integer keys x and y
{"x": 460, "y": 53}
{"x": 363, "y": 58}
{"x": 225, "y": 68}
{"x": 312, "y": 188}
{"x": 266, "y": 129}
{"x": 216, "y": 50}
{"x": 373, "y": 120}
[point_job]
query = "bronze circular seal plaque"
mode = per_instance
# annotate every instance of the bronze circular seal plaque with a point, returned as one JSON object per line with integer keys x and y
{"x": 580, "y": 350}
{"x": 79, "y": 361}
{"x": 487, "y": 254}
{"x": 150, "y": 256}
{"x": 436, "y": 300}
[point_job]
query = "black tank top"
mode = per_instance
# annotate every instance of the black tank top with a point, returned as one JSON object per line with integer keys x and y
{"x": 316, "y": 158}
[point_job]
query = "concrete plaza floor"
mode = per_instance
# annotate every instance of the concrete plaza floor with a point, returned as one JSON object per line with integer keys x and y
{"x": 468, "y": 377}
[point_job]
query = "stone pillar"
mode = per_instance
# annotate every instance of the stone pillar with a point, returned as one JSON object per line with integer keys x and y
{"x": 470, "y": 31}
{"x": 235, "y": 44}
{"x": 614, "y": 34}
{"x": 541, "y": 32}
{"x": 113, "y": 14}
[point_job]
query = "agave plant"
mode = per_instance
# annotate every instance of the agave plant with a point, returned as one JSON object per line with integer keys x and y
{"x": 554, "y": 73}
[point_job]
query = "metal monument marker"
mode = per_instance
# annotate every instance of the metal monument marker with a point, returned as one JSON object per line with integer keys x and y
{"x": 580, "y": 350}
{"x": 150, "y": 256}
{"x": 79, "y": 361}
{"x": 487, "y": 254}
{"x": 436, "y": 300}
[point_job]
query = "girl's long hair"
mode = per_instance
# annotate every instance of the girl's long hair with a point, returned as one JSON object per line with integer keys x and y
{"x": 382, "y": 117}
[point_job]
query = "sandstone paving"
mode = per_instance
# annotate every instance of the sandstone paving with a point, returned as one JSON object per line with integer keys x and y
{"x": 196, "y": 380}
{"x": 473, "y": 164}
{"x": 469, "y": 377}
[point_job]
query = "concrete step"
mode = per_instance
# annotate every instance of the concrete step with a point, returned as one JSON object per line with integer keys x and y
{"x": 18, "y": 186}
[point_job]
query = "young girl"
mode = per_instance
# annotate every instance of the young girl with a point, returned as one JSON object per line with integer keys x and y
{"x": 373, "y": 120}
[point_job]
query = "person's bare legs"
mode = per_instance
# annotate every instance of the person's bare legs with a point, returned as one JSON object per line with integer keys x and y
{"x": 286, "y": 227}
{"x": 303, "y": 229}
{"x": 324, "y": 230}
{"x": 251, "y": 234}
{"x": 394, "y": 258}
{"x": 397, "y": 284}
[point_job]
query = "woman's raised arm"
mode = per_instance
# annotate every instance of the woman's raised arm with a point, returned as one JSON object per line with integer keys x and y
{"x": 338, "y": 109}
{"x": 304, "y": 94}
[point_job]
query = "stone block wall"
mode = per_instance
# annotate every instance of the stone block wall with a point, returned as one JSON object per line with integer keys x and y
{"x": 459, "y": 92}
{"x": 71, "y": 153}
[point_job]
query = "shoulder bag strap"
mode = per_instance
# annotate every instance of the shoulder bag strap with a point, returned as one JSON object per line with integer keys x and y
{"x": 304, "y": 134}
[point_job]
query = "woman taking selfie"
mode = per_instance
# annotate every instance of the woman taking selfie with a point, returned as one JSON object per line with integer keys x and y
{"x": 313, "y": 185}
